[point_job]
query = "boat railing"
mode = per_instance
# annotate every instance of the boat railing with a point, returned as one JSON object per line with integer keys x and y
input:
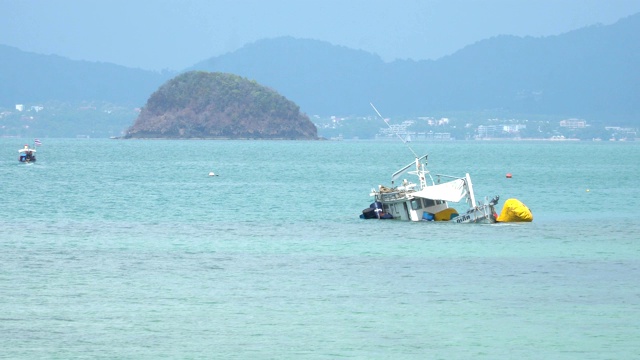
{"x": 448, "y": 176}
{"x": 397, "y": 174}
{"x": 390, "y": 196}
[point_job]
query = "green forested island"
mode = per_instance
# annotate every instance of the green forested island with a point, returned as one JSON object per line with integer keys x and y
{"x": 200, "y": 104}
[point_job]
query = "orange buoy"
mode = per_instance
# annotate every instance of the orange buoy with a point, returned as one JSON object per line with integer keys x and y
{"x": 508, "y": 175}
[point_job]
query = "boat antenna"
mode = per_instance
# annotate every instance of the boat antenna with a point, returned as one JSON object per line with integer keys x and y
{"x": 398, "y": 135}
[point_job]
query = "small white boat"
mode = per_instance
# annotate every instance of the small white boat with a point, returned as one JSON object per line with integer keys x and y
{"x": 27, "y": 155}
{"x": 428, "y": 200}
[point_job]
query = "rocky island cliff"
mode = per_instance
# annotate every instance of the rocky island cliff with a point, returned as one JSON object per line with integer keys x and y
{"x": 201, "y": 104}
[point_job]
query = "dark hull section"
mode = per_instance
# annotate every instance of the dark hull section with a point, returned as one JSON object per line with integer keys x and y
{"x": 27, "y": 159}
{"x": 374, "y": 211}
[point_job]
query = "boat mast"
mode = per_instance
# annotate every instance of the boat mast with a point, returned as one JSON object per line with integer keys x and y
{"x": 420, "y": 168}
{"x": 472, "y": 196}
{"x": 395, "y": 133}
{"x": 420, "y": 171}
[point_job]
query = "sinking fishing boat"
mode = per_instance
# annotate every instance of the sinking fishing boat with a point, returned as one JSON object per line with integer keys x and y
{"x": 429, "y": 199}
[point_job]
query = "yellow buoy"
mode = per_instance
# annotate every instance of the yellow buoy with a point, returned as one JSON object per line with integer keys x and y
{"x": 515, "y": 211}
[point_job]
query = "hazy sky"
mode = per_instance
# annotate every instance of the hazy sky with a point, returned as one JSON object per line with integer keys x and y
{"x": 174, "y": 34}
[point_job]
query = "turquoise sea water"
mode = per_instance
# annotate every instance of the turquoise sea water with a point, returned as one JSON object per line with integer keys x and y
{"x": 128, "y": 249}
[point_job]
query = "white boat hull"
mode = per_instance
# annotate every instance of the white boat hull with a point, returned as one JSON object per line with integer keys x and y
{"x": 484, "y": 214}
{"x": 410, "y": 211}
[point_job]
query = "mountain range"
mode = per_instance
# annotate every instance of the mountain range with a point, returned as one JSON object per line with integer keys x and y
{"x": 589, "y": 73}
{"x": 32, "y": 78}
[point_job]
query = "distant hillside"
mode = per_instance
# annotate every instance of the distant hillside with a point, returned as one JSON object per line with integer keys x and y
{"x": 590, "y": 73}
{"x": 200, "y": 104}
{"x": 30, "y": 78}
{"x": 320, "y": 77}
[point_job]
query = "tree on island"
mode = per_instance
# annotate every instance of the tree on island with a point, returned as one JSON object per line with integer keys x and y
{"x": 200, "y": 104}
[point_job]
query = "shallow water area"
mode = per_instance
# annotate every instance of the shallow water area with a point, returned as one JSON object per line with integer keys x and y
{"x": 128, "y": 249}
